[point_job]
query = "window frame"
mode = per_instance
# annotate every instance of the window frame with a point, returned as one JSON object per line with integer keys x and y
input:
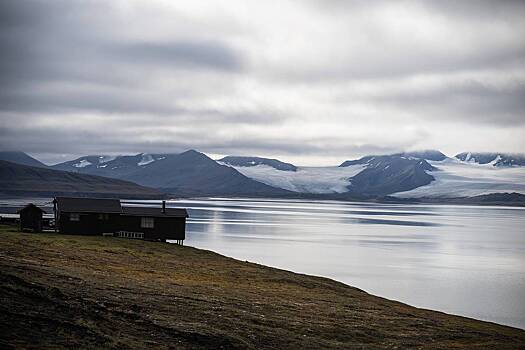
{"x": 74, "y": 217}
{"x": 147, "y": 222}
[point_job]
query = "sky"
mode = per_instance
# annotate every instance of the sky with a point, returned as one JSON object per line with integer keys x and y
{"x": 312, "y": 82}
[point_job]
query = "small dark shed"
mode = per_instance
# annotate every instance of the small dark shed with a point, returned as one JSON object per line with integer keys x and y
{"x": 156, "y": 224}
{"x": 87, "y": 216}
{"x": 31, "y": 218}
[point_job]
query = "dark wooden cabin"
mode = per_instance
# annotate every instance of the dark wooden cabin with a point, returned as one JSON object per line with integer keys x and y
{"x": 87, "y": 216}
{"x": 156, "y": 224}
{"x": 31, "y": 218}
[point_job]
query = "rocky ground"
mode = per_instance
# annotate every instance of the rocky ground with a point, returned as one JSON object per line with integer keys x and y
{"x": 93, "y": 292}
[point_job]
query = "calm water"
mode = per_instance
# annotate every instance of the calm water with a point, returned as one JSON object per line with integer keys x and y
{"x": 466, "y": 260}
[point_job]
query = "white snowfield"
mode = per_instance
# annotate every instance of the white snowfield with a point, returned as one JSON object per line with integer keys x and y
{"x": 306, "y": 179}
{"x": 455, "y": 178}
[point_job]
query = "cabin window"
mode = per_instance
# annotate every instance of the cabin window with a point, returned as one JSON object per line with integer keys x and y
{"x": 74, "y": 217}
{"x": 103, "y": 216}
{"x": 147, "y": 223}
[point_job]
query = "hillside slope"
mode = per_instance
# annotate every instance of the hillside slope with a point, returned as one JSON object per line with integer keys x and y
{"x": 20, "y": 180}
{"x": 63, "y": 292}
{"x": 21, "y": 158}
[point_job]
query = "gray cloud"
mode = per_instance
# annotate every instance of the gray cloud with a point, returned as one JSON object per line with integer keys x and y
{"x": 315, "y": 81}
{"x": 469, "y": 101}
{"x": 188, "y": 54}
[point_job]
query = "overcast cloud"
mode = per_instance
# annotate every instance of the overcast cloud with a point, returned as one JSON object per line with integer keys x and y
{"x": 311, "y": 82}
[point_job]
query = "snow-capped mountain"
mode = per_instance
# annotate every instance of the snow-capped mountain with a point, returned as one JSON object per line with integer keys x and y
{"x": 403, "y": 175}
{"x": 190, "y": 173}
{"x": 425, "y": 174}
{"x": 463, "y": 178}
{"x": 426, "y": 154}
{"x": 253, "y": 161}
{"x": 107, "y": 165}
{"x": 495, "y": 159}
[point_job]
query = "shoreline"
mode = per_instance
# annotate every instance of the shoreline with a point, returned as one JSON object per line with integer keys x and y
{"x": 119, "y": 293}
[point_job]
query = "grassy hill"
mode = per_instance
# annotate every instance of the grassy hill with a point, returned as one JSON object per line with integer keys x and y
{"x": 61, "y": 291}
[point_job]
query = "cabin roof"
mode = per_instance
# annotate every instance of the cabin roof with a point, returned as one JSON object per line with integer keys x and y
{"x": 154, "y": 212}
{"x": 31, "y": 206}
{"x": 89, "y": 205}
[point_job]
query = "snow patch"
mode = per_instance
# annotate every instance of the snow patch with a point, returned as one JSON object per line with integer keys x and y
{"x": 495, "y": 160}
{"x": 105, "y": 159}
{"x": 146, "y": 159}
{"x": 83, "y": 163}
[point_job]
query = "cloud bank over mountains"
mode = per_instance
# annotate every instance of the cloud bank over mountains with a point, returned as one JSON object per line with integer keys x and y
{"x": 311, "y": 82}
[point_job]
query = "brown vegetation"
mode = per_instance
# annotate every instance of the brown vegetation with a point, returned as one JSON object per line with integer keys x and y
{"x": 93, "y": 292}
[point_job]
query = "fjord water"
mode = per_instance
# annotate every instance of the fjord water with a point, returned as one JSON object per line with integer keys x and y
{"x": 465, "y": 260}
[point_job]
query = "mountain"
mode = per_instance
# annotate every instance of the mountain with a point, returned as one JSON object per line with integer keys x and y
{"x": 254, "y": 161}
{"x": 116, "y": 167}
{"x": 496, "y": 159}
{"x": 23, "y": 180}
{"x": 385, "y": 175}
{"x": 21, "y": 158}
{"x": 186, "y": 174}
{"x": 426, "y": 154}
{"x": 193, "y": 173}
{"x": 406, "y": 175}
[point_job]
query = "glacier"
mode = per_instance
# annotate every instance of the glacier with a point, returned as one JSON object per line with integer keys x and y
{"x": 455, "y": 178}
{"x": 332, "y": 179}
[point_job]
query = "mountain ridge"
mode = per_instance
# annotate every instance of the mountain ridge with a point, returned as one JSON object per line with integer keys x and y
{"x": 22, "y": 158}
{"x": 404, "y": 175}
{"x": 21, "y": 180}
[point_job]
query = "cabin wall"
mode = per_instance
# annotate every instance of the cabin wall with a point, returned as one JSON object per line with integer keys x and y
{"x": 164, "y": 227}
{"x": 88, "y": 224}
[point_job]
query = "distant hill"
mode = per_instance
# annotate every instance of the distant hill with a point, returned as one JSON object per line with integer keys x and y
{"x": 496, "y": 159}
{"x": 254, "y": 161}
{"x": 385, "y": 175}
{"x": 426, "y": 154}
{"x": 433, "y": 155}
{"x": 21, "y": 158}
{"x": 116, "y": 167}
{"x": 23, "y": 180}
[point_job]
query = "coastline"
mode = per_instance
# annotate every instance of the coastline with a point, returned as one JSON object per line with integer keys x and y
{"x": 118, "y": 293}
